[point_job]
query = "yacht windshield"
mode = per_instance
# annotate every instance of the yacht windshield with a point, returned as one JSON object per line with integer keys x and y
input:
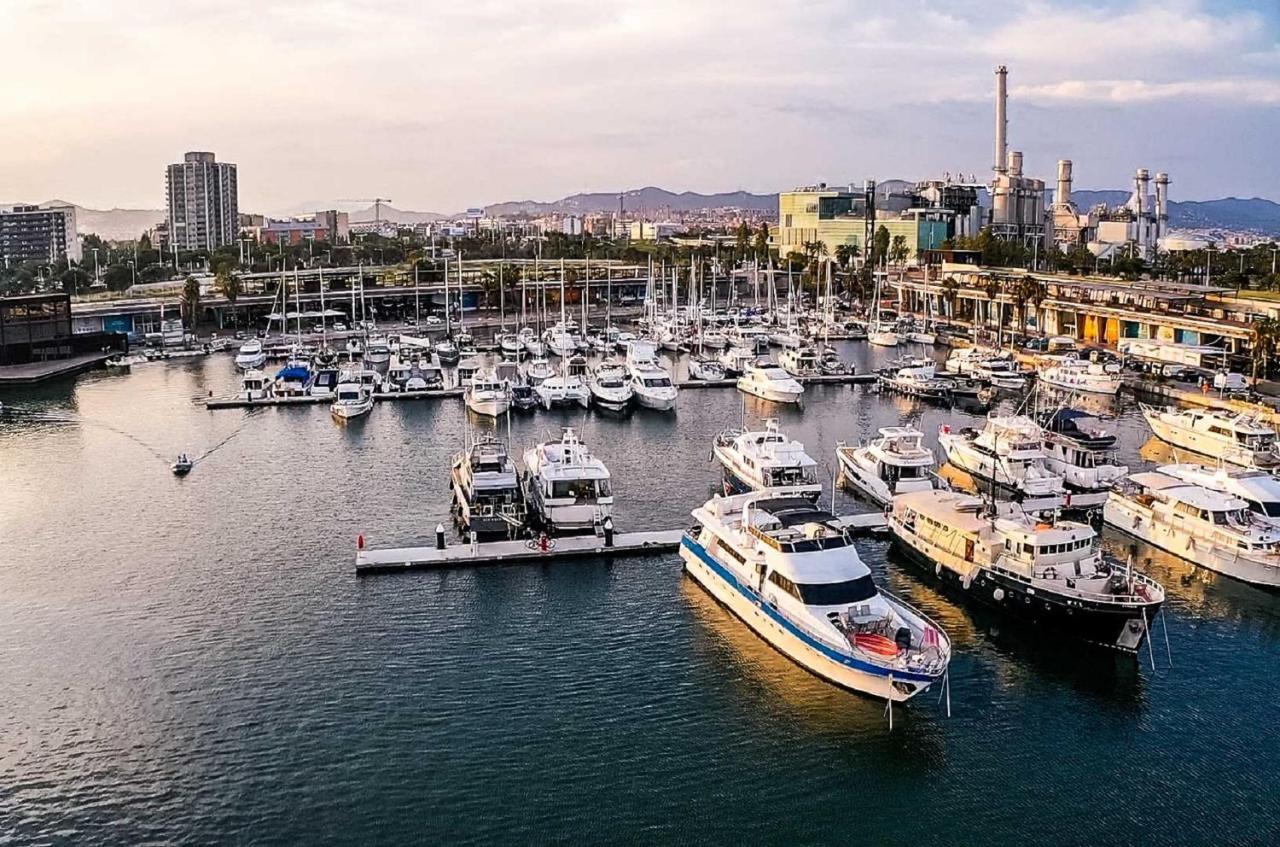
{"x": 1270, "y": 508}
{"x": 657, "y": 382}
{"x": 837, "y": 593}
{"x": 581, "y": 490}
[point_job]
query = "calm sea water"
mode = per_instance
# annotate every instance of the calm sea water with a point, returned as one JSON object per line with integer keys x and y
{"x": 194, "y": 660}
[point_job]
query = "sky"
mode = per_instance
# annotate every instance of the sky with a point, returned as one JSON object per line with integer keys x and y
{"x": 444, "y": 105}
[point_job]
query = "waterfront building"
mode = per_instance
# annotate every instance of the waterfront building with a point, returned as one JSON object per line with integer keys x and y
{"x": 835, "y": 217}
{"x": 43, "y": 236}
{"x": 203, "y": 202}
{"x": 332, "y": 226}
{"x": 654, "y": 230}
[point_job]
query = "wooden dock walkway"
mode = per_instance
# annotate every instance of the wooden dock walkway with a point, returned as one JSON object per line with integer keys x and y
{"x": 461, "y": 555}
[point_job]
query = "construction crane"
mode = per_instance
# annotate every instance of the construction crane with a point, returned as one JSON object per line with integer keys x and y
{"x": 376, "y": 201}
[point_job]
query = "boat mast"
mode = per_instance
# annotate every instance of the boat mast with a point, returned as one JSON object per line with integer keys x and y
{"x": 448, "y": 328}
{"x": 324, "y": 325}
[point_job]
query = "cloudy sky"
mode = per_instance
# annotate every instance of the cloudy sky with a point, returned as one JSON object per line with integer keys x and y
{"x": 443, "y": 105}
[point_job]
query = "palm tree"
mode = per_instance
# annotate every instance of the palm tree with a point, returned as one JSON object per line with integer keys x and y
{"x": 231, "y": 286}
{"x": 992, "y": 290}
{"x": 951, "y": 293}
{"x": 1029, "y": 290}
{"x": 1266, "y": 332}
{"x": 191, "y": 301}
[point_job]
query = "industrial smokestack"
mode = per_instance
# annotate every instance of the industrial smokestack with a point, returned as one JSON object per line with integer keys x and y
{"x": 1162, "y": 204}
{"x": 1063, "y": 195}
{"x": 1002, "y": 119}
{"x": 1141, "y": 178}
{"x": 1015, "y": 163}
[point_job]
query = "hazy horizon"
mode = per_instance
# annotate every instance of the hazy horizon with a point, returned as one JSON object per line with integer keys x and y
{"x": 448, "y": 106}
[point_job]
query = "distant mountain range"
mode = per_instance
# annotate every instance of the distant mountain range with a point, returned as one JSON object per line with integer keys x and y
{"x": 1254, "y": 214}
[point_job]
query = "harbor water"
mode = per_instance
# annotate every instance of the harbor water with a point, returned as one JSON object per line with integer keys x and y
{"x": 194, "y": 660}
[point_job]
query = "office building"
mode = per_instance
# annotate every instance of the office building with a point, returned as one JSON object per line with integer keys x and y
{"x": 40, "y": 236}
{"x": 839, "y": 216}
{"x": 331, "y": 226}
{"x": 202, "y": 203}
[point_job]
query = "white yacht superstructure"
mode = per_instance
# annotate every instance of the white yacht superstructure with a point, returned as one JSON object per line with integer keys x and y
{"x": 1008, "y": 452}
{"x": 487, "y": 499}
{"x": 1206, "y": 527}
{"x": 1235, "y": 438}
{"x": 791, "y": 574}
{"x": 756, "y": 460}
{"x": 1073, "y": 374}
{"x": 1259, "y": 489}
{"x": 767, "y": 381}
{"x": 251, "y": 355}
{"x": 896, "y": 462}
{"x": 567, "y": 488}
{"x": 609, "y": 385}
{"x": 651, "y": 384}
{"x": 487, "y": 395}
{"x": 353, "y": 398}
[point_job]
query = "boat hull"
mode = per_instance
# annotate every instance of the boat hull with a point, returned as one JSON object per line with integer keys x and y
{"x": 491, "y": 408}
{"x": 778, "y": 632}
{"x": 659, "y": 403}
{"x": 1203, "y": 443}
{"x": 773, "y": 395}
{"x": 984, "y": 466}
{"x": 1137, "y": 521}
{"x": 1114, "y": 627}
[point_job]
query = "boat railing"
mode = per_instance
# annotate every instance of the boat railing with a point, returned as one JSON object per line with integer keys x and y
{"x": 1132, "y": 577}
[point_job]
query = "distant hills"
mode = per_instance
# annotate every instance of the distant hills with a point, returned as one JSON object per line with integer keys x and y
{"x": 1253, "y": 214}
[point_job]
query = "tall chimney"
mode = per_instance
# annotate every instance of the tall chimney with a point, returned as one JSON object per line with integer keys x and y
{"x": 1015, "y": 163}
{"x": 1162, "y": 205}
{"x": 1002, "y": 119}
{"x": 1140, "y": 179}
{"x": 1063, "y": 195}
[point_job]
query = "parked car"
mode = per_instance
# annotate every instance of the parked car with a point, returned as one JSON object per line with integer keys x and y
{"x": 434, "y": 320}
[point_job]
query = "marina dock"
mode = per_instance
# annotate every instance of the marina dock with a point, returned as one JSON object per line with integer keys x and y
{"x": 459, "y": 555}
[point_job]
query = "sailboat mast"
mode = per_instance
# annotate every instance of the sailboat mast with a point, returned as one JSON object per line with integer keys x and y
{"x": 324, "y": 318}
{"x": 448, "y": 327}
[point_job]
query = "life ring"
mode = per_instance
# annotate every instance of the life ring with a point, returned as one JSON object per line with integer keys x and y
{"x": 998, "y": 594}
{"x": 1050, "y": 572}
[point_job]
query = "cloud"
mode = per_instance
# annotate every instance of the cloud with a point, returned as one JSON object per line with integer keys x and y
{"x": 446, "y": 104}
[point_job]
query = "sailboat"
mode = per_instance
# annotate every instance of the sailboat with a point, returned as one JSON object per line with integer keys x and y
{"x": 924, "y": 335}
{"x": 879, "y": 333}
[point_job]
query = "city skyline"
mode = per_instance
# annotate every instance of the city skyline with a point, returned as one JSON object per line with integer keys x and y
{"x": 454, "y": 107}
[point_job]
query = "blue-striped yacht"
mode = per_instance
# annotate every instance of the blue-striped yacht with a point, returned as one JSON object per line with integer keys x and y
{"x": 789, "y": 571}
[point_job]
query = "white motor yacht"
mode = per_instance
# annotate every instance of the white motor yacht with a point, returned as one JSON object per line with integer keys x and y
{"x": 567, "y": 489}
{"x": 251, "y": 355}
{"x": 325, "y": 383}
{"x": 293, "y": 380}
{"x": 755, "y": 460}
{"x": 1008, "y": 451}
{"x": 1080, "y": 450}
{"x": 487, "y": 499}
{"x": 883, "y": 336}
{"x": 767, "y": 381}
{"x": 559, "y": 340}
{"x": 651, "y": 384}
{"x": 705, "y": 369}
{"x": 799, "y": 361}
{"x": 609, "y": 386}
{"x": 896, "y": 462}
{"x": 713, "y": 339}
{"x": 255, "y": 385}
{"x": 790, "y": 573}
{"x": 447, "y": 352}
{"x": 537, "y": 370}
{"x": 749, "y": 337}
{"x": 1259, "y": 489}
{"x": 1206, "y": 527}
{"x": 510, "y": 345}
{"x": 378, "y": 350}
{"x": 734, "y": 360}
{"x": 1074, "y": 374}
{"x": 916, "y": 378}
{"x": 1235, "y": 438}
{"x": 487, "y": 395}
{"x": 352, "y": 399}
{"x": 1048, "y": 573}
{"x": 785, "y": 338}
{"x": 562, "y": 389}
{"x": 397, "y": 378}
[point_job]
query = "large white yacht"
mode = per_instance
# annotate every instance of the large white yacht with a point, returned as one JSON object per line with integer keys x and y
{"x": 756, "y": 460}
{"x": 1078, "y": 448}
{"x": 1051, "y": 574}
{"x": 255, "y": 385}
{"x": 1259, "y": 489}
{"x": 563, "y": 389}
{"x": 486, "y": 490}
{"x": 896, "y": 462}
{"x": 915, "y": 377}
{"x": 251, "y": 355}
{"x": 378, "y": 350}
{"x": 799, "y": 361}
{"x": 566, "y": 488}
{"x": 767, "y": 381}
{"x": 651, "y": 384}
{"x": 791, "y": 574}
{"x": 1073, "y": 374}
{"x": 609, "y": 386}
{"x": 487, "y": 395}
{"x": 1203, "y": 526}
{"x": 1008, "y": 452}
{"x": 1236, "y": 438}
{"x": 352, "y": 398}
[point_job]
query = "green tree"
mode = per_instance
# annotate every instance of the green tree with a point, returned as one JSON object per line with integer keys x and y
{"x": 75, "y": 280}
{"x": 898, "y": 250}
{"x": 1029, "y": 290}
{"x": 231, "y": 286}
{"x": 191, "y": 302}
{"x": 743, "y": 244}
{"x": 879, "y": 246}
{"x": 951, "y": 293}
{"x": 762, "y": 243}
{"x": 1265, "y": 334}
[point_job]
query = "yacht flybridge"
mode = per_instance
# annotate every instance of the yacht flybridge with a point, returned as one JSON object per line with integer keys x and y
{"x": 1080, "y": 450}
{"x": 790, "y": 573}
{"x": 1073, "y": 374}
{"x": 1206, "y": 527}
{"x": 251, "y": 355}
{"x": 1235, "y": 438}
{"x": 757, "y": 460}
{"x": 567, "y": 489}
{"x": 1259, "y": 489}
{"x": 897, "y": 462}
{"x": 1048, "y": 574}
{"x": 486, "y": 491}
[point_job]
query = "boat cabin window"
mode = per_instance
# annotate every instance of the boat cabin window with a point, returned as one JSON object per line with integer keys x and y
{"x": 838, "y": 593}
{"x": 581, "y": 490}
{"x": 1256, "y": 442}
{"x": 781, "y": 477}
{"x": 1270, "y": 508}
{"x": 656, "y": 382}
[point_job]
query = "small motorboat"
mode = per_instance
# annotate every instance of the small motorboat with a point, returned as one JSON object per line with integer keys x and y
{"x": 182, "y": 466}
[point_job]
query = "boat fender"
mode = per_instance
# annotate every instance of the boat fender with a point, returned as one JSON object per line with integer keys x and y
{"x": 998, "y": 594}
{"x": 937, "y": 570}
{"x": 966, "y": 581}
{"x": 1137, "y": 519}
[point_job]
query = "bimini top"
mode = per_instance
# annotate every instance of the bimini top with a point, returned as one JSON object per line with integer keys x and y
{"x": 1080, "y": 426}
{"x": 1185, "y": 492}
